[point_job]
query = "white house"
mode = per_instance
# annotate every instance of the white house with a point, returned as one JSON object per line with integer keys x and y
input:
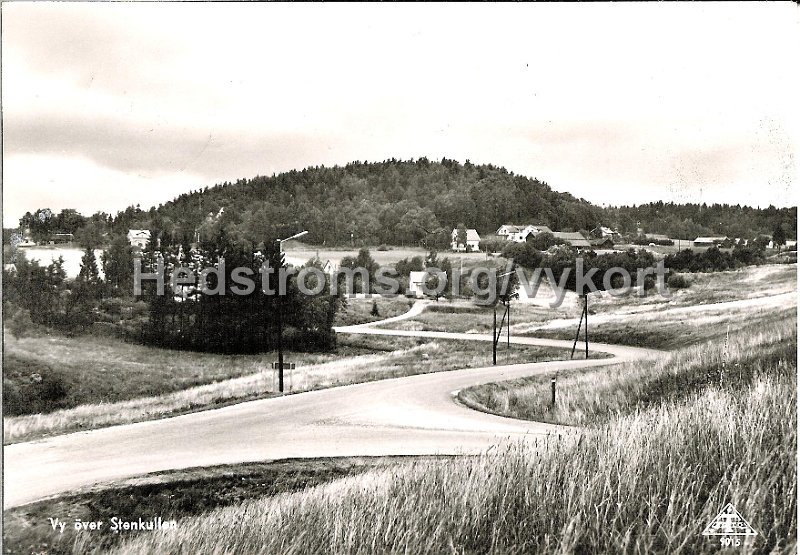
{"x": 473, "y": 240}
{"x": 138, "y": 237}
{"x": 519, "y": 233}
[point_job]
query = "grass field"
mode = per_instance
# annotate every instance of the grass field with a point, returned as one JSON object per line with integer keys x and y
{"x": 646, "y": 481}
{"x": 764, "y": 347}
{"x": 638, "y": 319}
{"x": 171, "y": 495}
{"x": 378, "y": 358}
{"x": 300, "y": 253}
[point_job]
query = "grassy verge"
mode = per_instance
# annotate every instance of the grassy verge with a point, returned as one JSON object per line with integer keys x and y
{"x": 766, "y": 347}
{"x": 360, "y": 311}
{"x": 395, "y": 357}
{"x": 46, "y": 372}
{"x": 169, "y": 495}
{"x": 646, "y": 482}
{"x": 665, "y": 330}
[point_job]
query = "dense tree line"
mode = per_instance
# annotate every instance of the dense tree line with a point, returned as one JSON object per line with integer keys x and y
{"x": 414, "y": 202}
{"x": 232, "y": 319}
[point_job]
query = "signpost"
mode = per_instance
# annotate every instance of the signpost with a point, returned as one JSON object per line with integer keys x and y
{"x": 277, "y": 371}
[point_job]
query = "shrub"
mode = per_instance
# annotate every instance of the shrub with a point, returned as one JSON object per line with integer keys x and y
{"x": 677, "y": 281}
{"x": 32, "y": 387}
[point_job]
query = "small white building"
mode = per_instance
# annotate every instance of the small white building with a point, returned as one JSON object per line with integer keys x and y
{"x": 138, "y": 237}
{"x": 472, "y": 244}
{"x": 415, "y": 282}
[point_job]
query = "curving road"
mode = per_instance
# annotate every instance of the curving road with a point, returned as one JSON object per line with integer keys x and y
{"x": 414, "y": 415}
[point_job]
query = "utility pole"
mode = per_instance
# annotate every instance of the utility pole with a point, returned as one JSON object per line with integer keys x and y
{"x": 497, "y": 334}
{"x": 280, "y": 310}
{"x": 584, "y": 320}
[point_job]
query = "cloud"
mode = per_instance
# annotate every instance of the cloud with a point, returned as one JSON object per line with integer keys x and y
{"x": 614, "y": 103}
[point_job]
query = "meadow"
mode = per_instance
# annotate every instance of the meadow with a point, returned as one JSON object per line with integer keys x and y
{"x": 647, "y": 480}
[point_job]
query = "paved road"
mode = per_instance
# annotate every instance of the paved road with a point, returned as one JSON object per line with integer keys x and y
{"x": 414, "y": 415}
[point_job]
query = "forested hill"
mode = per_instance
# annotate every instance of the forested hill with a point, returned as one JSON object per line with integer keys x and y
{"x": 408, "y": 202}
{"x": 385, "y": 202}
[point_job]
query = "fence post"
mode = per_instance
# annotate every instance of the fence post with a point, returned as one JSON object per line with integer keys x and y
{"x": 553, "y": 393}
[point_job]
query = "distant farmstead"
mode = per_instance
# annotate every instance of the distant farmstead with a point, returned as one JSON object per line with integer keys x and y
{"x": 472, "y": 242}
{"x": 138, "y": 237}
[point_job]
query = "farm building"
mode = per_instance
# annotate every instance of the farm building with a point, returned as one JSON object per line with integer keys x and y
{"x": 575, "y": 240}
{"x": 709, "y": 241}
{"x": 473, "y": 240}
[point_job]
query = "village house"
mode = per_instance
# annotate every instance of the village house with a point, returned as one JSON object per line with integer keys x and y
{"x": 473, "y": 240}
{"x": 138, "y": 237}
{"x": 519, "y": 233}
{"x": 602, "y": 231}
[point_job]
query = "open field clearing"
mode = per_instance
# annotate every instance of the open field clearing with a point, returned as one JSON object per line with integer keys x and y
{"x": 705, "y": 288}
{"x": 646, "y": 482}
{"x": 299, "y": 253}
{"x": 764, "y": 347}
{"x": 400, "y": 357}
{"x": 634, "y": 315}
{"x": 171, "y": 495}
{"x": 664, "y": 329}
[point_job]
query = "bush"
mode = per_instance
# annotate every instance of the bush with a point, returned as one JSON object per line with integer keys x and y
{"x": 711, "y": 260}
{"x": 677, "y": 281}
{"x": 32, "y": 387}
{"x": 20, "y": 324}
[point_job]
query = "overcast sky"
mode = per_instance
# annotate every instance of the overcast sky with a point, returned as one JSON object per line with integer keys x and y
{"x": 107, "y": 105}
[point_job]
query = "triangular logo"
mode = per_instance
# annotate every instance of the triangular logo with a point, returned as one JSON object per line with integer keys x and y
{"x": 729, "y": 523}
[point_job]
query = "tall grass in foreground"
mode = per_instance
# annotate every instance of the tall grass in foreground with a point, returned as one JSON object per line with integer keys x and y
{"x": 645, "y": 483}
{"x": 766, "y": 347}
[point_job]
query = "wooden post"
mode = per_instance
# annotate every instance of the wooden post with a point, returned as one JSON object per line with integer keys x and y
{"x": 494, "y": 338}
{"x": 577, "y": 335}
{"x": 586, "y": 322}
{"x": 508, "y": 327}
{"x": 553, "y": 393}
